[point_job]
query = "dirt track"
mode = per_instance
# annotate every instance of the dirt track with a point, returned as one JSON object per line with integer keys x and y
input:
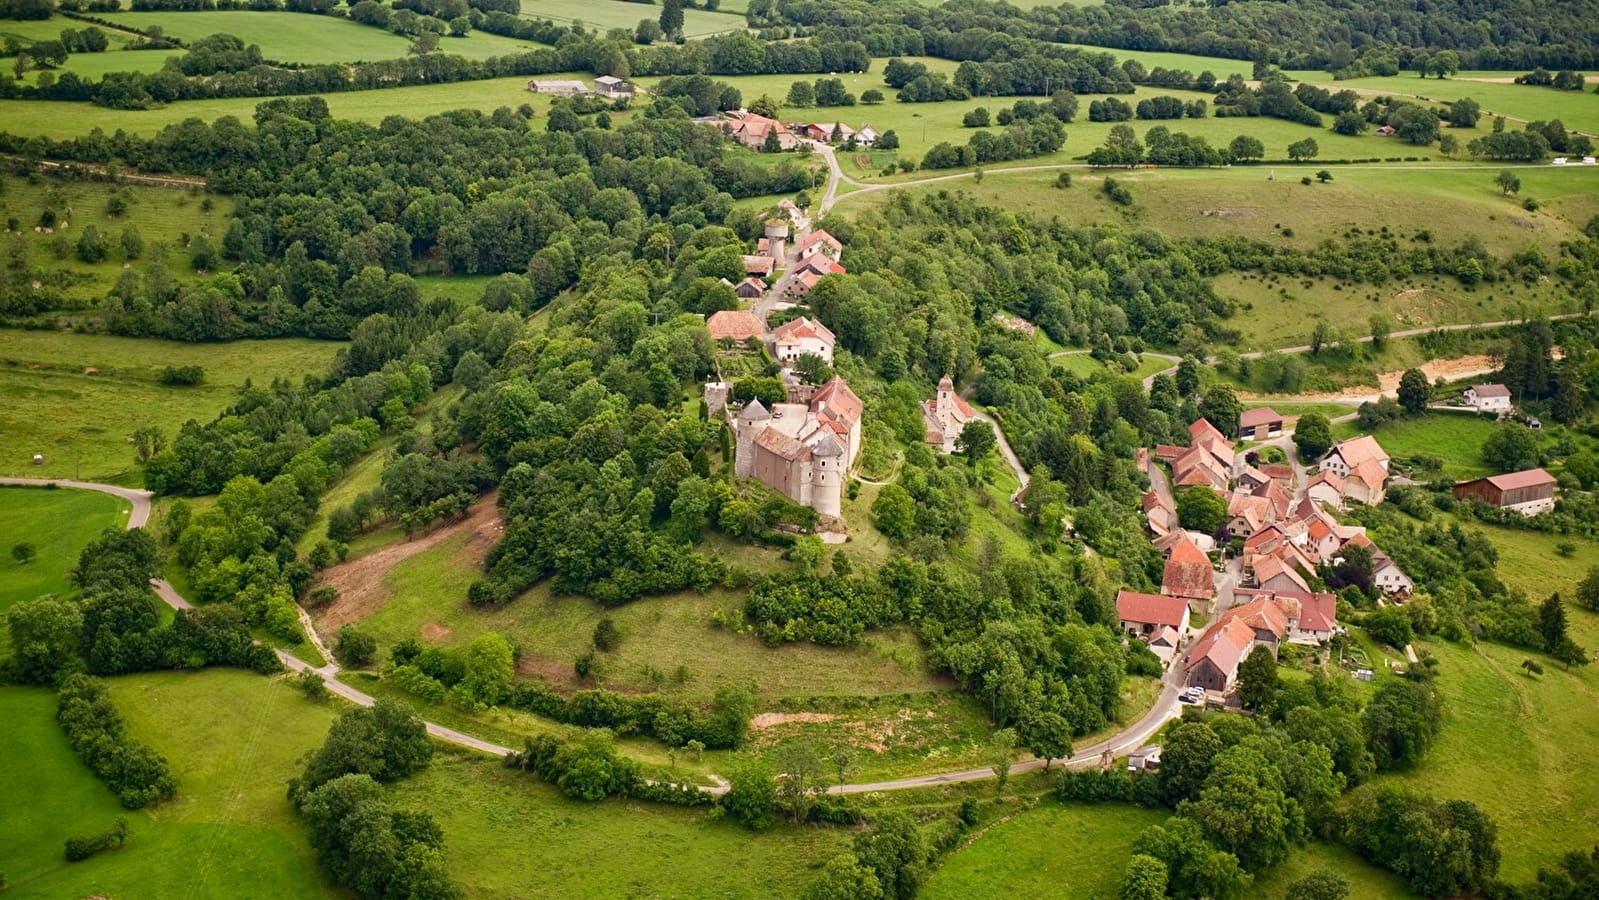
{"x": 360, "y": 583}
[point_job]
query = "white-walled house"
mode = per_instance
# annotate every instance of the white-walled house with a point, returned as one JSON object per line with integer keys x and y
{"x": 1494, "y": 398}
{"x": 796, "y": 338}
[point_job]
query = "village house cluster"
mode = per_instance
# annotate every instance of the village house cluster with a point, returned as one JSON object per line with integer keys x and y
{"x": 1280, "y": 542}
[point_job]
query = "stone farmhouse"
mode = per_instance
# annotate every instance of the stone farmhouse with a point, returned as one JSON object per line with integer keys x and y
{"x": 802, "y": 450}
{"x": 945, "y": 415}
{"x": 751, "y": 130}
{"x": 1529, "y": 493}
{"x": 1267, "y": 620}
{"x": 1159, "y": 621}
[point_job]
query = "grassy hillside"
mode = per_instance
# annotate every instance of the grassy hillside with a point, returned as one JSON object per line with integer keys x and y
{"x": 603, "y": 15}
{"x": 509, "y": 835}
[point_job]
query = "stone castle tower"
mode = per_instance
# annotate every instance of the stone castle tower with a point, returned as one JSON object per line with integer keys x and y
{"x": 752, "y": 420}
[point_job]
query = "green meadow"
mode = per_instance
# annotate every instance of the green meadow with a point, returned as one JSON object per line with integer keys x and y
{"x": 1518, "y": 101}
{"x": 59, "y": 524}
{"x": 604, "y": 15}
{"x": 61, "y": 119}
{"x": 232, "y": 738}
{"x": 82, "y": 422}
{"x": 309, "y": 39}
{"x": 1455, "y": 439}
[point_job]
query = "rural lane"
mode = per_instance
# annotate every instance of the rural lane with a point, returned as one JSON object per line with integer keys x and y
{"x": 1165, "y": 709}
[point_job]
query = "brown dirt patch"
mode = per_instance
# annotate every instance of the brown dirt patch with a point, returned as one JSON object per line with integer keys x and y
{"x": 433, "y": 631}
{"x": 772, "y": 720}
{"x": 359, "y": 582}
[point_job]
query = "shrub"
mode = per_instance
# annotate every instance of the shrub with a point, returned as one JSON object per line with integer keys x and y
{"x": 134, "y": 772}
{"x": 356, "y": 647}
{"x": 81, "y": 848}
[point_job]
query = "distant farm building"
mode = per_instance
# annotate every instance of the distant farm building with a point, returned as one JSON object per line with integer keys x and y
{"x": 558, "y": 87}
{"x": 611, "y": 86}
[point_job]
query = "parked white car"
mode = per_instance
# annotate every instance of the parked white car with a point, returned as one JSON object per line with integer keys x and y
{"x": 1558, "y": 161}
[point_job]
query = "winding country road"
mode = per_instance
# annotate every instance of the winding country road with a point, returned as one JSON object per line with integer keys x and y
{"x": 1165, "y": 708}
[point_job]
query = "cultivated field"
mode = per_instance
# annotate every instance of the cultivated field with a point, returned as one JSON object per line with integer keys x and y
{"x": 82, "y": 422}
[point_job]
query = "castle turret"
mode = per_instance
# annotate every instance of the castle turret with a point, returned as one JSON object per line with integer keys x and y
{"x": 752, "y": 420}
{"x": 827, "y": 476}
{"x": 777, "y": 239}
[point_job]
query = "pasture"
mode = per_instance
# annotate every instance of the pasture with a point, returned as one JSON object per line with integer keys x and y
{"x": 290, "y": 37}
{"x": 1525, "y": 103}
{"x": 61, "y": 119}
{"x": 1054, "y": 851}
{"x": 164, "y": 219}
{"x": 59, "y": 524}
{"x": 604, "y": 15}
{"x": 425, "y": 597}
{"x": 1518, "y": 747}
{"x": 493, "y": 818}
{"x": 233, "y": 739}
{"x": 82, "y": 422}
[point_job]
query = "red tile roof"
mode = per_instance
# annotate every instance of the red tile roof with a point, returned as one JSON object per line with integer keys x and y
{"x": 1150, "y": 609}
{"x": 1224, "y": 645}
{"x": 1490, "y": 390}
{"x": 802, "y": 327}
{"x": 1514, "y": 480}
{"x": 1188, "y": 573}
{"x": 836, "y": 401}
{"x": 734, "y": 324}
{"x": 1260, "y": 415}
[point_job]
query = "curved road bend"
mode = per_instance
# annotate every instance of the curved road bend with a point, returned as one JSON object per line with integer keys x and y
{"x": 1166, "y": 706}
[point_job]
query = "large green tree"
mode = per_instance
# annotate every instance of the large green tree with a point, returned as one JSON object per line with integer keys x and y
{"x": 1220, "y": 405}
{"x": 1414, "y": 391}
{"x": 1257, "y": 679}
{"x": 1313, "y": 435}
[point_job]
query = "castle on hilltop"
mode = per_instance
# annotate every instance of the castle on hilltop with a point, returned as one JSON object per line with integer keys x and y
{"x": 802, "y": 449}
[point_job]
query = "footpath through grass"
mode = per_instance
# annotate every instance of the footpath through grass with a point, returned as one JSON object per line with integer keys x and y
{"x": 233, "y": 739}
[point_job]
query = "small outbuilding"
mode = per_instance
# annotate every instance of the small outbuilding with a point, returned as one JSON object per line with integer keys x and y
{"x": 1259, "y": 423}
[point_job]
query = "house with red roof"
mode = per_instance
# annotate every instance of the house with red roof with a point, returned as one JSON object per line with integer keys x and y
{"x": 1143, "y": 615}
{"x": 1263, "y": 621}
{"x": 800, "y": 336}
{"x": 750, "y": 288}
{"x": 1529, "y": 492}
{"x": 1494, "y": 398}
{"x": 1363, "y": 465}
{"x": 1159, "y": 514}
{"x": 819, "y": 241}
{"x": 751, "y": 130}
{"x": 1188, "y": 574}
{"x": 802, "y": 450}
{"x": 734, "y": 325}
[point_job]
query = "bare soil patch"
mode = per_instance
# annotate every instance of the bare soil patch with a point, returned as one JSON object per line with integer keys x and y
{"x": 772, "y": 719}
{"x": 433, "y": 631}
{"x": 359, "y": 582}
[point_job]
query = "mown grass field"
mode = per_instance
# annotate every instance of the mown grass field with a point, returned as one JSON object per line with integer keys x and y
{"x": 60, "y": 119}
{"x": 1366, "y": 881}
{"x": 509, "y": 835}
{"x": 1517, "y": 101}
{"x": 1054, "y": 851}
{"x": 603, "y": 15}
{"x": 59, "y": 524}
{"x": 232, "y": 738}
{"x": 1455, "y": 439}
{"x": 94, "y": 66}
{"x": 290, "y": 37}
{"x": 1086, "y": 366}
{"x": 1216, "y": 65}
{"x": 82, "y": 422}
